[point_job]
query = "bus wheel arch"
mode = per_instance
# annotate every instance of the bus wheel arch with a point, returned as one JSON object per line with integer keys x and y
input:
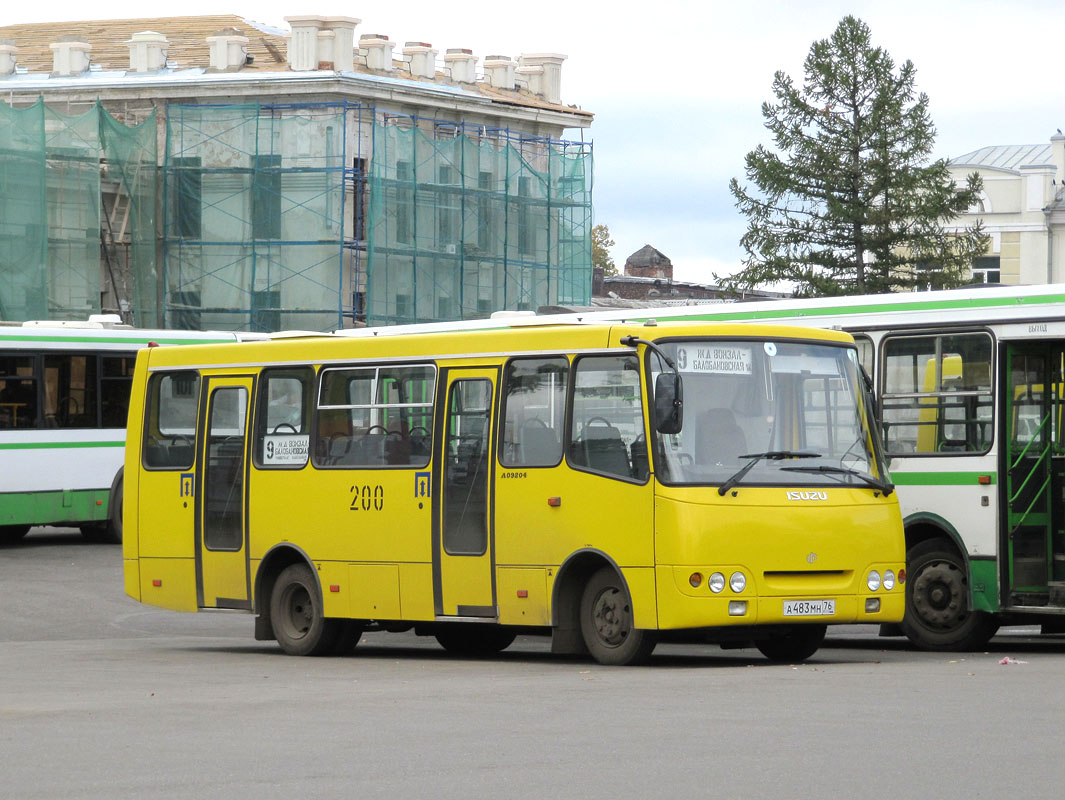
{"x": 592, "y": 605}
{"x": 939, "y": 603}
{"x": 273, "y": 566}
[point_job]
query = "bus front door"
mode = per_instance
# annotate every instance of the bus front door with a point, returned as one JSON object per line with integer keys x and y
{"x": 463, "y": 580}
{"x": 1034, "y": 485}
{"x": 221, "y": 533}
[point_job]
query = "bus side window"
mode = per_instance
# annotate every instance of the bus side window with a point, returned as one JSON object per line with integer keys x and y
{"x": 282, "y": 437}
{"x": 170, "y": 429}
{"x": 608, "y": 417}
{"x": 375, "y": 416}
{"x": 18, "y": 392}
{"x": 116, "y": 381}
{"x": 937, "y": 394}
{"x": 534, "y": 412}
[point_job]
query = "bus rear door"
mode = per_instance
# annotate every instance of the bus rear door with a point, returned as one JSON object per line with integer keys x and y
{"x": 463, "y": 580}
{"x": 222, "y": 576}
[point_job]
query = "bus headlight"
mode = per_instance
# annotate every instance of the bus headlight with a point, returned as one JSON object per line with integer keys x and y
{"x": 737, "y": 582}
{"x": 889, "y": 580}
{"x": 872, "y": 580}
{"x": 716, "y": 582}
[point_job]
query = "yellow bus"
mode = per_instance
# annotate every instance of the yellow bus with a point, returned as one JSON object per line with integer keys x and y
{"x": 611, "y": 485}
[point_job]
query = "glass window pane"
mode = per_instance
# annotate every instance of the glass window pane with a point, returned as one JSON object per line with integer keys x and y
{"x": 534, "y": 412}
{"x": 608, "y": 434}
{"x": 171, "y": 420}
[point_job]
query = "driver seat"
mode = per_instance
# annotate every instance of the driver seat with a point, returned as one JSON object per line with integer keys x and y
{"x": 720, "y": 438}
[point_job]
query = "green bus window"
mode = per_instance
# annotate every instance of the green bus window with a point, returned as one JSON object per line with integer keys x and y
{"x": 937, "y": 395}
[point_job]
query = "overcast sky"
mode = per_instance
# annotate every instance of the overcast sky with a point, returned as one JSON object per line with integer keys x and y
{"x": 677, "y": 87}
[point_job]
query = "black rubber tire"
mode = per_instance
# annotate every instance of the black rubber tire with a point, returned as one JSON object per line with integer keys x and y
{"x": 350, "y": 635}
{"x": 296, "y": 614}
{"x": 938, "y": 616}
{"x": 798, "y": 644}
{"x": 113, "y": 532}
{"x": 606, "y": 622}
{"x": 474, "y": 639}
{"x": 9, "y": 534}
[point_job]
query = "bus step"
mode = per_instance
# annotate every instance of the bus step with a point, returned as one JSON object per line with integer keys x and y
{"x": 1057, "y": 593}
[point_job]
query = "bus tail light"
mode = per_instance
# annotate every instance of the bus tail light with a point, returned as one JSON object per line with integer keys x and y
{"x": 902, "y": 576}
{"x": 156, "y": 582}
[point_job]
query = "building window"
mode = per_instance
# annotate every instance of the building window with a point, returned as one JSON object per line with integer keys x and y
{"x": 266, "y": 198}
{"x": 986, "y": 270}
{"x": 188, "y": 197}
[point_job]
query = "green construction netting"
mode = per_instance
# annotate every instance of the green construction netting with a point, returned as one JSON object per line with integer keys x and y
{"x": 462, "y": 225}
{"x": 254, "y": 218}
{"x": 50, "y": 214}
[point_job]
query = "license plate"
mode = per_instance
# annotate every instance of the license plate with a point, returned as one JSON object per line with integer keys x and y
{"x": 809, "y": 608}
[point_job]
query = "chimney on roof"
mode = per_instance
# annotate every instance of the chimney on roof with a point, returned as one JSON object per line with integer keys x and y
{"x": 378, "y": 51}
{"x": 343, "y": 29}
{"x": 7, "y": 57}
{"x": 543, "y": 72}
{"x": 70, "y": 56}
{"x": 499, "y": 71}
{"x": 461, "y": 64}
{"x": 321, "y": 43}
{"x": 147, "y": 51}
{"x": 1057, "y": 146}
{"x": 421, "y": 59}
{"x": 229, "y": 50}
{"x": 303, "y": 43}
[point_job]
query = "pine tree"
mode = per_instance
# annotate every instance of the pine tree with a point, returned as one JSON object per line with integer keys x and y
{"x": 849, "y": 203}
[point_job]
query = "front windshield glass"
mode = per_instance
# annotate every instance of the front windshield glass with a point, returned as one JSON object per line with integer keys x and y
{"x": 798, "y": 405}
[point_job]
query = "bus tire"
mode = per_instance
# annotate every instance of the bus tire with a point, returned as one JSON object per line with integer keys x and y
{"x": 797, "y": 644}
{"x": 607, "y": 622}
{"x": 9, "y": 534}
{"x": 938, "y": 616}
{"x": 296, "y": 614}
{"x": 113, "y": 531}
{"x": 473, "y": 639}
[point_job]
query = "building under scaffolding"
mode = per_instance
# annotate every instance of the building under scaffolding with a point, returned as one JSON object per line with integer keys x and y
{"x": 272, "y": 203}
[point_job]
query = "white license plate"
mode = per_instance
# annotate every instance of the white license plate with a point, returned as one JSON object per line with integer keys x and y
{"x": 809, "y": 608}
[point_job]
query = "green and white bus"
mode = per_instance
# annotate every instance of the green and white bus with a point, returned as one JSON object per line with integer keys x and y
{"x": 969, "y": 386}
{"x": 64, "y": 394}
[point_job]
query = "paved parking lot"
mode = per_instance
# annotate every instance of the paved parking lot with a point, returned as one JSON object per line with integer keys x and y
{"x": 105, "y": 698}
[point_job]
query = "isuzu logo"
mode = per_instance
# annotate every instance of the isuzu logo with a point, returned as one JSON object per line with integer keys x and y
{"x": 806, "y": 495}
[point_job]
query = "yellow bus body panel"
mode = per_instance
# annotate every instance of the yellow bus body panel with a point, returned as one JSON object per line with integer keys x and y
{"x": 820, "y": 547}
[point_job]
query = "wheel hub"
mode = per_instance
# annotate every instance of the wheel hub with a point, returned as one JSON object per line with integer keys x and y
{"x": 939, "y": 594}
{"x": 611, "y": 617}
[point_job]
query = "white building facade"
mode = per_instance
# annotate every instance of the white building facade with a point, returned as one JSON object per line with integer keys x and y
{"x": 1022, "y": 208}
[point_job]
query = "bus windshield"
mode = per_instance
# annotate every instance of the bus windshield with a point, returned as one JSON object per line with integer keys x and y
{"x": 768, "y": 413}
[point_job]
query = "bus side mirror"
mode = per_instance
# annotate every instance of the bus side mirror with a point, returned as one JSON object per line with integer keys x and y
{"x": 669, "y": 403}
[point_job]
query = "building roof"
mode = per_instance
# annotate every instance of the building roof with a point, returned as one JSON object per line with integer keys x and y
{"x": 188, "y": 50}
{"x": 187, "y": 35}
{"x": 647, "y": 256}
{"x": 1010, "y": 157}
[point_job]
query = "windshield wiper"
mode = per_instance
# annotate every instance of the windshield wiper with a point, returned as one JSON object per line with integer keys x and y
{"x": 772, "y": 455}
{"x": 876, "y": 483}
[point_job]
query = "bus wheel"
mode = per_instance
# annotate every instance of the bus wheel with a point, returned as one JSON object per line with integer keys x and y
{"x": 474, "y": 639}
{"x": 606, "y": 622}
{"x": 798, "y": 644}
{"x": 296, "y": 614}
{"x": 938, "y": 616}
{"x": 9, "y": 534}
